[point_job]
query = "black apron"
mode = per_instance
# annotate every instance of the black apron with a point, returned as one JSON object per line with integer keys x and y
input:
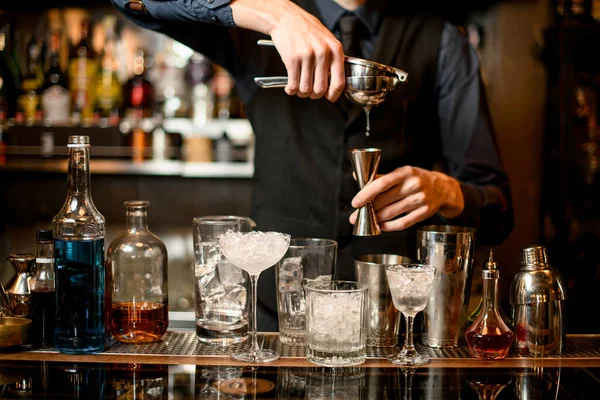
{"x": 303, "y": 175}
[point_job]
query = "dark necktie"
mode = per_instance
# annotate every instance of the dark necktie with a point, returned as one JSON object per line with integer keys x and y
{"x": 350, "y": 32}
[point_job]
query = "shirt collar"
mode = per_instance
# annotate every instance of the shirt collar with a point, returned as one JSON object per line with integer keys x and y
{"x": 370, "y": 14}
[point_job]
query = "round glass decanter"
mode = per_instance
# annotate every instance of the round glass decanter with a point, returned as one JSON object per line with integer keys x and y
{"x": 136, "y": 281}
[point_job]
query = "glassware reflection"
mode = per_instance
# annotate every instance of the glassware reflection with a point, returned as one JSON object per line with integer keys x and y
{"x": 537, "y": 383}
{"x": 224, "y": 383}
{"x": 335, "y": 383}
{"x": 408, "y": 381}
{"x": 488, "y": 387}
{"x": 291, "y": 383}
{"x": 138, "y": 381}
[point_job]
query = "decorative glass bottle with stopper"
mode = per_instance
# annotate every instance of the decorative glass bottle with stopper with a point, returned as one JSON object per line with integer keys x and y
{"x": 489, "y": 337}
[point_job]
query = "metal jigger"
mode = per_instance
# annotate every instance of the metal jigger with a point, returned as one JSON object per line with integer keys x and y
{"x": 365, "y": 163}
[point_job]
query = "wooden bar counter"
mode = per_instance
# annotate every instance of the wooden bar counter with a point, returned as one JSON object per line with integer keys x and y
{"x": 180, "y": 367}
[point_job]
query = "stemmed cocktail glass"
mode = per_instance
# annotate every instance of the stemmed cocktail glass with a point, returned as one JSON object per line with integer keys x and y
{"x": 254, "y": 252}
{"x": 410, "y": 285}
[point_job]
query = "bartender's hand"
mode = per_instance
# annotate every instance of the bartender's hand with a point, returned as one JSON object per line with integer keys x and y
{"x": 412, "y": 191}
{"x": 313, "y": 57}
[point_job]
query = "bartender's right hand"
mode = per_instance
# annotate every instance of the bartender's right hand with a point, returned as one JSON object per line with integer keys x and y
{"x": 313, "y": 57}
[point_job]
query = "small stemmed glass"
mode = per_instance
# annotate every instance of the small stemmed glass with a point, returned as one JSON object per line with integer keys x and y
{"x": 254, "y": 252}
{"x": 410, "y": 285}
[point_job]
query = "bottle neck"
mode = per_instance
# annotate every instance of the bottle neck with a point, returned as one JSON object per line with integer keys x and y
{"x": 490, "y": 293}
{"x": 45, "y": 249}
{"x": 79, "y": 172}
{"x": 137, "y": 219}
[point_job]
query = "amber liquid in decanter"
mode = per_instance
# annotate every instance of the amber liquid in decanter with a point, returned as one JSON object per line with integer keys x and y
{"x": 139, "y": 322}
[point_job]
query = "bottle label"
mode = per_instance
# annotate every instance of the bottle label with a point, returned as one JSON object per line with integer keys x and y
{"x": 29, "y": 103}
{"x": 83, "y": 84}
{"x": 56, "y": 103}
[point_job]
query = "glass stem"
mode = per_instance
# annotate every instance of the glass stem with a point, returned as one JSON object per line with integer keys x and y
{"x": 254, "y": 282}
{"x": 408, "y": 342}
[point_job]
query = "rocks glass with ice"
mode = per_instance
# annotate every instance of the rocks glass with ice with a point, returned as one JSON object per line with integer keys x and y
{"x": 221, "y": 287}
{"x": 307, "y": 260}
{"x": 335, "y": 323}
{"x": 410, "y": 285}
{"x": 254, "y": 252}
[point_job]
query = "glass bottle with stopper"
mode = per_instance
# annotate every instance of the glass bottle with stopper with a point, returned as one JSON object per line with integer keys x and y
{"x": 489, "y": 337}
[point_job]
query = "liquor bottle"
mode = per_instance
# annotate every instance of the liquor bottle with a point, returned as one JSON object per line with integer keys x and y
{"x": 136, "y": 274}
{"x": 56, "y": 100}
{"x": 172, "y": 90}
{"x": 28, "y": 104}
{"x": 138, "y": 92}
{"x": 199, "y": 73}
{"x": 108, "y": 87}
{"x": 10, "y": 76}
{"x": 43, "y": 295}
{"x": 83, "y": 66}
{"x": 489, "y": 337}
{"x": 79, "y": 257}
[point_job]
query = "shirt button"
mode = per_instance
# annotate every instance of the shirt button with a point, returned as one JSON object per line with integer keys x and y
{"x": 210, "y": 1}
{"x": 213, "y": 18}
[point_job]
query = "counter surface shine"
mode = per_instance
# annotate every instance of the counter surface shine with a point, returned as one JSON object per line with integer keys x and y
{"x": 182, "y": 368}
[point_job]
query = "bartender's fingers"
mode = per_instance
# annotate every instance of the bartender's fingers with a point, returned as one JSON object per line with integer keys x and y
{"x": 293, "y": 68}
{"x": 413, "y": 217}
{"x": 396, "y": 208}
{"x": 307, "y": 74}
{"x": 321, "y": 75}
{"x": 381, "y": 184}
{"x": 404, "y": 188}
{"x": 337, "y": 74}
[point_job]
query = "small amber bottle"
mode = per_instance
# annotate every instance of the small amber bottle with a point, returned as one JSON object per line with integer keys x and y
{"x": 489, "y": 337}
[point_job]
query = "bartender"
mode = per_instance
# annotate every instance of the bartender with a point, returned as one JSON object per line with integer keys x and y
{"x": 440, "y": 161}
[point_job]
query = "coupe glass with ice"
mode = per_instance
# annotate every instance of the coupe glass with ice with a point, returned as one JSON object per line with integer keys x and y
{"x": 410, "y": 285}
{"x": 254, "y": 252}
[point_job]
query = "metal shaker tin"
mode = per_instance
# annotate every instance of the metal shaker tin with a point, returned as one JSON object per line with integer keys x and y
{"x": 537, "y": 297}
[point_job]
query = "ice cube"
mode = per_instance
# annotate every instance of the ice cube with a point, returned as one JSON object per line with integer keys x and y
{"x": 212, "y": 292}
{"x": 236, "y": 297}
{"x": 290, "y": 274}
{"x": 229, "y": 274}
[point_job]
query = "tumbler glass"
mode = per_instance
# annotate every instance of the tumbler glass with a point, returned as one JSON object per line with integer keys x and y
{"x": 335, "y": 323}
{"x": 222, "y": 289}
{"x": 306, "y": 260}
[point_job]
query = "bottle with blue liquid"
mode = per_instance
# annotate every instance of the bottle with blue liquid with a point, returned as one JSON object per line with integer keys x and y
{"x": 79, "y": 259}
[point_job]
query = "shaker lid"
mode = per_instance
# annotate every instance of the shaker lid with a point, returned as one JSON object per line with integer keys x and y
{"x": 534, "y": 257}
{"x": 536, "y": 282}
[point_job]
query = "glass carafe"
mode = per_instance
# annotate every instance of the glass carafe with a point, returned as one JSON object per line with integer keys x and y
{"x": 136, "y": 275}
{"x": 79, "y": 260}
{"x": 222, "y": 289}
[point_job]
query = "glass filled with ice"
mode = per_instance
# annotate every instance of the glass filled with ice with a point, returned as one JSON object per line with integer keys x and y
{"x": 222, "y": 289}
{"x": 410, "y": 285}
{"x": 307, "y": 260}
{"x": 335, "y": 323}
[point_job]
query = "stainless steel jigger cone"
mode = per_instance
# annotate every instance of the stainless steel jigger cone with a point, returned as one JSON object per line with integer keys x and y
{"x": 365, "y": 163}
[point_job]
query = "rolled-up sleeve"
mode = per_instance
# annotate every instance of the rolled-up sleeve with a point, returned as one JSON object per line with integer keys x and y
{"x": 469, "y": 143}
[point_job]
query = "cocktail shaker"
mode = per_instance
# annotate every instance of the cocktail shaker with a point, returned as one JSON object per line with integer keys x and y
{"x": 537, "y": 297}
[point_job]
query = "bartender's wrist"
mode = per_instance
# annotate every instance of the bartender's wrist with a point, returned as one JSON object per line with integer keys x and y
{"x": 259, "y": 15}
{"x": 454, "y": 202}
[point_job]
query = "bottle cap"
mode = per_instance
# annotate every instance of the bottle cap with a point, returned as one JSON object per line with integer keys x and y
{"x": 44, "y": 234}
{"x": 79, "y": 141}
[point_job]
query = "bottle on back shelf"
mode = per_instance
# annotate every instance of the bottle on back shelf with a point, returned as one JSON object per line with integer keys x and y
{"x": 28, "y": 103}
{"x": 108, "y": 89}
{"x": 83, "y": 67}
{"x": 138, "y": 92}
{"x": 79, "y": 257}
{"x": 43, "y": 295}
{"x": 10, "y": 76}
{"x": 56, "y": 100}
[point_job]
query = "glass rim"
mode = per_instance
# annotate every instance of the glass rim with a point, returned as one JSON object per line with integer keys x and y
{"x": 411, "y": 266}
{"x": 327, "y": 243}
{"x": 221, "y": 220}
{"x": 360, "y": 287}
{"x": 361, "y": 259}
{"x": 446, "y": 229}
{"x": 136, "y": 204}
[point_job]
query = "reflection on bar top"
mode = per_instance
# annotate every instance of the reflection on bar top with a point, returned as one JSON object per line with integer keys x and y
{"x": 150, "y": 168}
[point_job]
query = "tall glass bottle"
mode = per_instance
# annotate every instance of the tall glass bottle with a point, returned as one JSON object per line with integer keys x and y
{"x": 82, "y": 73}
{"x": 56, "y": 100}
{"x": 138, "y": 92}
{"x": 108, "y": 87}
{"x": 43, "y": 295}
{"x": 9, "y": 70}
{"x": 489, "y": 337}
{"x": 79, "y": 258}
{"x": 136, "y": 276}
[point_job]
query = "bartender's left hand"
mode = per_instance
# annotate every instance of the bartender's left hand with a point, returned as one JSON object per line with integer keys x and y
{"x": 415, "y": 192}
